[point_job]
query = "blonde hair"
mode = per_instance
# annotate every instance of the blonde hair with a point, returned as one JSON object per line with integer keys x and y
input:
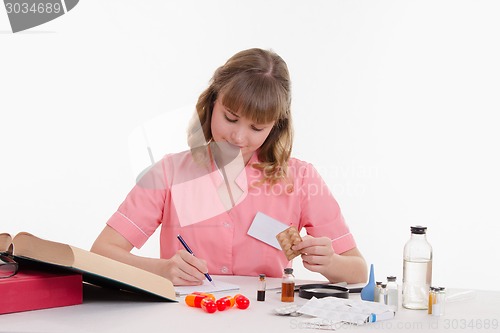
{"x": 256, "y": 84}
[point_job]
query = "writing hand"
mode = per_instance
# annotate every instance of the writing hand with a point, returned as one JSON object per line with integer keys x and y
{"x": 185, "y": 269}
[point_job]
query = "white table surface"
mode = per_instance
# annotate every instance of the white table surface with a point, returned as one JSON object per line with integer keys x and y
{"x": 114, "y": 311}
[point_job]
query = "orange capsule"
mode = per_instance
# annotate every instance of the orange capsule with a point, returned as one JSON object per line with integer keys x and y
{"x": 194, "y": 299}
{"x": 208, "y": 305}
{"x": 241, "y": 301}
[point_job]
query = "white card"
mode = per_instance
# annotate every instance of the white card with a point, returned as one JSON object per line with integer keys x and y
{"x": 265, "y": 229}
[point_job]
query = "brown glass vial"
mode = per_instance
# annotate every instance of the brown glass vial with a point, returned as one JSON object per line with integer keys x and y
{"x": 288, "y": 286}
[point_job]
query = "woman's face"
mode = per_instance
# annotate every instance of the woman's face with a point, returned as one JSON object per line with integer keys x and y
{"x": 228, "y": 126}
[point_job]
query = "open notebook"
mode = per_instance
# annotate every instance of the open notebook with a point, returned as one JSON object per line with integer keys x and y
{"x": 206, "y": 287}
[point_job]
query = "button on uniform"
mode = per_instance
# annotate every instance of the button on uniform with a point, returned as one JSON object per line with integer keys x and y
{"x": 224, "y": 269}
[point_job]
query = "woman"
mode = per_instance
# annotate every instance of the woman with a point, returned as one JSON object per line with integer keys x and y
{"x": 237, "y": 174}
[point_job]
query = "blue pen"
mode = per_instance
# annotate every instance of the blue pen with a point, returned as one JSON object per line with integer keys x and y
{"x": 183, "y": 242}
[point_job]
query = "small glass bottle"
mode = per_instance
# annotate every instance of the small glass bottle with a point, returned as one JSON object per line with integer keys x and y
{"x": 438, "y": 301}
{"x": 288, "y": 286}
{"x": 261, "y": 290}
{"x": 376, "y": 295}
{"x": 392, "y": 293}
{"x": 382, "y": 298}
{"x": 417, "y": 270}
{"x": 441, "y": 299}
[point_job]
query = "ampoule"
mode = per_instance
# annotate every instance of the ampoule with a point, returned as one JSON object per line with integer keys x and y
{"x": 392, "y": 293}
{"x": 376, "y": 292}
{"x": 442, "y": 300}
{"x": 261, "y": 290}
{"x": 383, "y": 294}
{"x": 438, "y": 301}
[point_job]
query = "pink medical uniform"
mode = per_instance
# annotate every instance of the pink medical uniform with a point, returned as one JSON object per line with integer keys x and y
{"x": 173, "y": 195}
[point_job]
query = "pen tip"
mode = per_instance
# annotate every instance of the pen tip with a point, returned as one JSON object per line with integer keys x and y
{"x": 212, "y": 282}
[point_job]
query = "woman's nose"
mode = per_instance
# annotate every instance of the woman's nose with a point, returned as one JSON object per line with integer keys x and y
{"x": 237, "y": 136}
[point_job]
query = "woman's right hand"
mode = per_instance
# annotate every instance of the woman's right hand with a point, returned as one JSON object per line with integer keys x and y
{"x": 184, "y": 269}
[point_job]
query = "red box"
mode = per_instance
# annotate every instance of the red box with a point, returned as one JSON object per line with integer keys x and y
{"x": 34, "y": 290}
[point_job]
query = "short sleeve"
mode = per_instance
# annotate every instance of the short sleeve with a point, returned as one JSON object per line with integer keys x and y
{"x": 141, "y": 212}
{"x": 320, "y": 212}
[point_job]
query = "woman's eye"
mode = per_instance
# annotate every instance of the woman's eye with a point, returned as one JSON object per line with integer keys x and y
{"x": 257, "y": 129}
{"x": 230, "y": 120}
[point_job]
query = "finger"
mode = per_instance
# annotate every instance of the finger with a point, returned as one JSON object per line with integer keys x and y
{"x": 315, "y": 259}
{"x": 198, "y": 263}
{"x": 183, "y": 279}
{"x": 318, "y": 250}
{"x": 311, "y": 245}
{"x": 313, "y": 267}
{"x": 192, "y": 265}
{"x": 306, "y": 241}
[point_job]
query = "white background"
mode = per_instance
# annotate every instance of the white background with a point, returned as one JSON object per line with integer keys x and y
{"x": 394, "y": 102}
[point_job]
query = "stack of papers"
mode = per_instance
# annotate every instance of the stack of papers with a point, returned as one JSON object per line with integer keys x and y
{"x": 331, "y": 311}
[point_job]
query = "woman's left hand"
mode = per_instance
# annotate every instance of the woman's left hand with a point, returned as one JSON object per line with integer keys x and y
{"x": 317, "y": 253}
{"x": 318, "y": 256}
